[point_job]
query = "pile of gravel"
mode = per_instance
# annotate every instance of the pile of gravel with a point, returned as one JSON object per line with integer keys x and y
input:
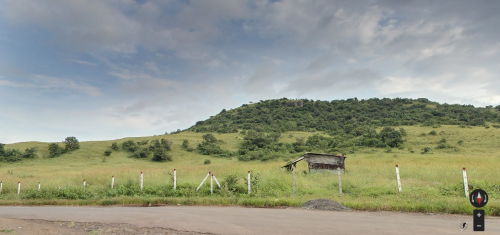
{"x": 324, "y": 204}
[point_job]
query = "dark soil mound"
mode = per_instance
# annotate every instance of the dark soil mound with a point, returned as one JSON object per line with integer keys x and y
{"x": 325, "y": 204}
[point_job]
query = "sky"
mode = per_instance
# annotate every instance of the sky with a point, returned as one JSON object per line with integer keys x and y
{"x": 102, "y": 70}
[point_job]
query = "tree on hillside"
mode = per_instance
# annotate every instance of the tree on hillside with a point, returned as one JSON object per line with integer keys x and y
{"x": 72, "y": 143}
{"x": 55, "y": 150}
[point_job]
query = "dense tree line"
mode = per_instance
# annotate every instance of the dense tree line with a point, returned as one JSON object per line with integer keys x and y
{"x": 352, "y": 116}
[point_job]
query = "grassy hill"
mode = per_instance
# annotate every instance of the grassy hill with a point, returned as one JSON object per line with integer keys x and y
{"x": 431, "y": 182}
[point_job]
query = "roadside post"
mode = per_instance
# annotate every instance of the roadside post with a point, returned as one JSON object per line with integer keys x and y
{"x": 466, "y": 184}
{"x": 175, "y": 179}
{"x": 203, "y": 181}
{"x": 84, "y": 184}
{"x": 1, "y": 186}
{"x": 112, "y": 181}
{"x": 249, "y": 183}
{"x": 39, "y": 186}
{"x": 141, "y": 181}
{"x": 397, "y": 176}
{"x": 340, "y": 183}
{"x": 211, "y": 185}
{"x": 18, "y": 188}
{"x": 293, "y": 179}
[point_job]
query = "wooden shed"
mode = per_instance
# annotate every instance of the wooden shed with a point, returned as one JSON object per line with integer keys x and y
{"x": 321, "y": 162}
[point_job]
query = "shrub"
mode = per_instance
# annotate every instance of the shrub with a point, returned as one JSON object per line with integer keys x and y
{"x": 433, "y": 132}
{"x": 185, "y": 144}
{"x": 129, "y": 146}
{"x": 143, "y": 142}
{"x": 141, "y": 153}
{"x": 442, "y": 141}
{"x": 114, "y": 146}
{"x": 460, "y": 142}
{"x": 30, "y": 153}
{"x": 207, "y": 161}
{"x": 55, "y": 150}
{"x": 72, "y": 143}
{"x": 426, "y": 150}
{"x": 161, "y": 155}
{"x": 107, "y": 152}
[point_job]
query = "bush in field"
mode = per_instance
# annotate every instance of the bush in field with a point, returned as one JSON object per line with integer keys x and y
{"x": 426, "y": 150}
{"x": 71, "y": 143}
{"x": 460, "y": 142}
{"x": 129, "y": 146}
{"x": 207, "y": 161}
{"x": 433, "y": 132}
{"x": 55, "y": 150}
{"x": 143, "y": 142}
{"x": 185, "y": 144}
{"x": 2, "y": 149}
{"x": 161, "y": 155}
{"x": 141, "y": 153}
{"x": 30, "y": 152}
{"x": 11, "y": 155}
{"x": 114, "y": 146}
{"x": 107, "y": 152}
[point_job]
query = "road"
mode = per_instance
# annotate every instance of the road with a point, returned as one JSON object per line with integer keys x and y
{"x": 239, "y": 220}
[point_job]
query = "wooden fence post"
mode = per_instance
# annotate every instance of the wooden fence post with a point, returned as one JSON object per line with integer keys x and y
{"x": 340, "y": 182}
{"x": 293, "y": 179}
{"x": 18, "y": 188}
{"x": 397, "y": 176}
{"x": 142, "y": 178}
{"x": 112, "y": 181}
{"x": 466, "y": 184}
{"x": 175, "y": 179}
{"x": 249, "y": 183}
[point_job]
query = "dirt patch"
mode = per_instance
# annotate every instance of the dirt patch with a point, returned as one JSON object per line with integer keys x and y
{"x": 42, "y": 227}
{"x": 325, "y": 204}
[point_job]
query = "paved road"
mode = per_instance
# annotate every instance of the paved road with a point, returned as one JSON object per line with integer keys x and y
{"x": 238, "y": 220}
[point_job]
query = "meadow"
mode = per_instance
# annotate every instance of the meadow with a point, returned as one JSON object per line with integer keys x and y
{"x": 431, "y": 182}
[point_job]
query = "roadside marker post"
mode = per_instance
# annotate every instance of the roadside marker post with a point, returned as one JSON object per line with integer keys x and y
{"x": 211, "y": 185}
{"x": 1, "y": 186}
{"x": 466, "y": 184}
{"x": 39, "y": 186}
{"x": 249, "y": 183}
{"x": 397, "y": 176}
{"x": 142, "y": 178}
{"x": 203, "y": 181}
{"x": 175, "y": 179}
{"x": 18, "y": 188}
{"x": 293, "y": 179}
{"x": 216, "y": 181}
{"x": 340, "y": 183}
{"x": 112, "y": 181}
{"x": 84, "y": 184}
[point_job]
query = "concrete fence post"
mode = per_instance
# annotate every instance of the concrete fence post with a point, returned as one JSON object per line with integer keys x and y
{"x": 175, "y": 179}
{"x": 293, "y": 179}
{"x": 84, "y": 184}
{"x": 397, "y": 176}
{"x": 18, "y": 188}
{"x": 1, "y": 186}
{"x": 466, "y": 184}
{"x": 340, "y": 183}
{"x": 211, "y": 185}
{"x": 249, "y": 184}
{"x": 142, "y": 178}
{"x": 112, "y": 181}
{"x": 203, "y": 181}
{"x": 39, "y": 186}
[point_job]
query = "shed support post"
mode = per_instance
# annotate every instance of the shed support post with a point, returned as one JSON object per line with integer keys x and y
{"x": 340, "y": 182}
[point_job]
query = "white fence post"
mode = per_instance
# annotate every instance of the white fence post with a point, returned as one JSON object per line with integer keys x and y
{"x": 249, "y": 183}
{"x": 203, "y": 181}
{"x": 216, "y": 181}
{"x": 112, "y": 181}
{"x": 175, "y": 179}
{"x": 142, "y": 178}
{"x": 18, "y": 188}
{"x": 340, "y": 183}
{"x": 466, "y": 184}
{"x": 293, "y": 179}
{"x": 211, "y": 185}
{"x": 397, "y": 176}
{"x": 1, "y": 186}
{"x": 39, "y": 186}
{"x": 84, "y": 184}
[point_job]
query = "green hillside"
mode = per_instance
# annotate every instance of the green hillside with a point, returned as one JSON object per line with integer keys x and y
{"x": 430, "y": 153}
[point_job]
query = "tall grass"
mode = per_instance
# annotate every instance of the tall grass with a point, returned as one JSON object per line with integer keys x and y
{"x": 430, "y": 182}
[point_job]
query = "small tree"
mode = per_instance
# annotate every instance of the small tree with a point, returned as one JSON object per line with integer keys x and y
{"x": 207, "y": 161}
{"x": 426, "y": 150}
{"x": 107, "y": 152}
{"x": 185, "y": 144}
{"x": 114, "y": 146}
{"x": 72, "y": 143}
{"x": 55, "y": 150}
{"x": 30, "y": 153}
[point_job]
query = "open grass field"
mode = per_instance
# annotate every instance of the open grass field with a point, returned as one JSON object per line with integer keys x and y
{"x": 430, "y": 182}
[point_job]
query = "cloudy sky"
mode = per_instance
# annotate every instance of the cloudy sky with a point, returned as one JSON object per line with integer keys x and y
{"x": 103, "y": 70}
